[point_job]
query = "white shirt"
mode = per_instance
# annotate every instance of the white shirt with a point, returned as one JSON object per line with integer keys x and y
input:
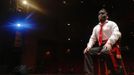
{"x": 110, "y": 33}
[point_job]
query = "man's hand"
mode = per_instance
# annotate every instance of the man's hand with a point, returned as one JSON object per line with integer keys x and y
{"x": 86, "y": 50}
{"x": 104, "y": 50}
{"x": 108, "y": 46}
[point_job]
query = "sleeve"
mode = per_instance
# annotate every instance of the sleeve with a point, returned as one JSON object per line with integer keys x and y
{"x": 115, "y": 35}
{"x": 92, "y": 39}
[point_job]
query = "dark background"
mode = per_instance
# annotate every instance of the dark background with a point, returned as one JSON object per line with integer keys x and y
{"x": 45, "y": 47}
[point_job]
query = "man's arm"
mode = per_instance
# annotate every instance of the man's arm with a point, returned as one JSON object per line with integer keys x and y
{"x": 114, "y": 36}
{"x": 92, "y": 39}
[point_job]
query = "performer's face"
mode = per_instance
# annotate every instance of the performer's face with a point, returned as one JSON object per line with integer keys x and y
{"x": 102, "y": 15}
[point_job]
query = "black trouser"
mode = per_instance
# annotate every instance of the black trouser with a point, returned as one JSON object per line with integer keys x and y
{"x": 89, "y": 66}
{"x": 88, "y": 62}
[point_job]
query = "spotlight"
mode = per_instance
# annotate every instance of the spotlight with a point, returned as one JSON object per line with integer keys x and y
{"x": 68, "y": 24}
{"x": 25, "y": 2}
{"x": 18, "y": 25}
{"x": 69, "y": 39}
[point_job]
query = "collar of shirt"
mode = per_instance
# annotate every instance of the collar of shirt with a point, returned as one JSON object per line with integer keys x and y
{"x": 104, "y": 23}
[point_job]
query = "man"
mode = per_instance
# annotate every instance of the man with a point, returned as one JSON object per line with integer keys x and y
{"x": 107, "y": 34}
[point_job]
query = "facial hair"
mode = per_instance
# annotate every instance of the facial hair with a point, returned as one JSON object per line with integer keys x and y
{"x": 103, "y": 19}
